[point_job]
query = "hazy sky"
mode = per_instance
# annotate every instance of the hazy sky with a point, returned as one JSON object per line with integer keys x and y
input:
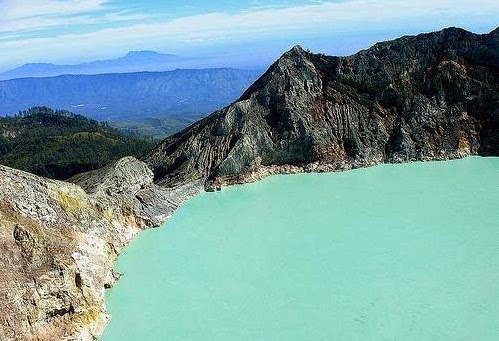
{"x": 72, "y": 31}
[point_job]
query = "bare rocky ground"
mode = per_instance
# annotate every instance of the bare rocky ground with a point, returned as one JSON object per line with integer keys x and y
{"x": 58, "y": 243}
{"x": 430, "y": 97}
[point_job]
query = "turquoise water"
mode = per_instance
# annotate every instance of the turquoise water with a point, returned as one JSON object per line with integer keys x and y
{"x": 395, "y": 252}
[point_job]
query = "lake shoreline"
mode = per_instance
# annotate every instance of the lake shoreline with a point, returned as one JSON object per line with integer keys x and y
{"x": 237, "y": 186}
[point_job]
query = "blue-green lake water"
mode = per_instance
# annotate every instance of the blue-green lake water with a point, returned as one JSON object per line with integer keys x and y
{"x": 395, "y": 252}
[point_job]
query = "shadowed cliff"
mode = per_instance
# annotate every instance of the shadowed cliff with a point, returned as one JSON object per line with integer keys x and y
{"x": 428, "y": 97}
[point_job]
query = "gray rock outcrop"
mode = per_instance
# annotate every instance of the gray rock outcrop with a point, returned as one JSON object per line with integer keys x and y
{"x": 59, "y": 240}
{"x": 429, "y": 97}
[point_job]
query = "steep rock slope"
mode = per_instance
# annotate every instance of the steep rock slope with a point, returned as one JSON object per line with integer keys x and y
{"x": 428, "y": 97}
{"x": 433, "y": 96}
{"x": 58, "y": 244}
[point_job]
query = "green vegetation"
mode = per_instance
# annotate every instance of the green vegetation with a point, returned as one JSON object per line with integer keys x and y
{"x": 158, "y": 127}
{"x": 59, "y": 144}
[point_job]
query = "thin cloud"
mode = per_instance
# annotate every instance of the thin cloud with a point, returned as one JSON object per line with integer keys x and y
{"x": 22, "y": 17}
{"x": 325, "y": 18}
{"x": 35, "y": 8}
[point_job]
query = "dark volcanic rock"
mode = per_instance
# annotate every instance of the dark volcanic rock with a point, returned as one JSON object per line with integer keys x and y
{"x": 434, "y": 96}
{"x": 428, "y": 97}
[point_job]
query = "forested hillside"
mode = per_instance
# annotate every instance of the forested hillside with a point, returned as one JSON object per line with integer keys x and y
{"x": 59, "y": 144}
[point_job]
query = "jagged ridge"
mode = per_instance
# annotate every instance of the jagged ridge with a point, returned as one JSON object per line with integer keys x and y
{"x": 431, "y": 96}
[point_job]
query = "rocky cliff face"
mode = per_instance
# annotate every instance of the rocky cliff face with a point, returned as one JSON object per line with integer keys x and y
{"x": 429, "y": 97}
{"x": 58, "y": 242}
{"x": 434, "y": 96}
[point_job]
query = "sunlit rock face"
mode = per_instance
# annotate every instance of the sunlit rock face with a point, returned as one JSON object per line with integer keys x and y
{"x": 428, "y": 97}
{"x": 58, "y": 242}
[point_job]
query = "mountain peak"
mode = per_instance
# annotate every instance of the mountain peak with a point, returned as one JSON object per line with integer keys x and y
{"x": 147, "y": 56}
{"x": 288, "y": 64}
{"x": 295, "y": 55}
{"x": 142, "y": 53}
{"x": 456, "y": 33}
{"x": 296, "y": 50}
{"x": 320, "y": 113}
{"x": 133, "y": 61}
{"x": 454, "y": 29}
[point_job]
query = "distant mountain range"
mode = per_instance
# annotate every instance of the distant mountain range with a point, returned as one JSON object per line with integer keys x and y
{"x": 134, "y": 61}
{"x": 181, "y": 95}
{"x": 427, "y": 97}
